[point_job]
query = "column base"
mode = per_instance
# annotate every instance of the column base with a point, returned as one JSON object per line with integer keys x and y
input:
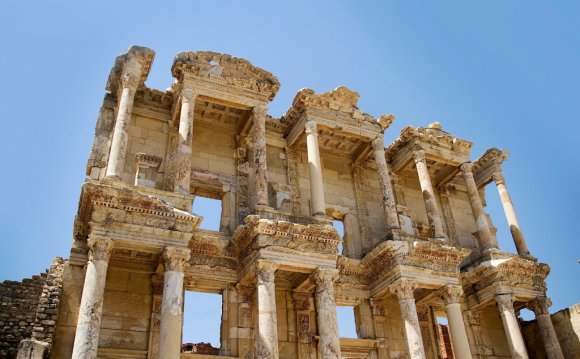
{"x": 32, "y": 349}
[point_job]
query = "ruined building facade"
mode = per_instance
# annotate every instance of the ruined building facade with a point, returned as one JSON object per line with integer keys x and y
{"x": 417, "y": 245}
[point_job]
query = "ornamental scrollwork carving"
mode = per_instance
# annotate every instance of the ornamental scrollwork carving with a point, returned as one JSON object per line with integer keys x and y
{"x": 451, "y": 294}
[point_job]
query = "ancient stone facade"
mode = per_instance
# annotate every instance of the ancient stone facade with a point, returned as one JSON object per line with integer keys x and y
{"x": 417, "y": 241}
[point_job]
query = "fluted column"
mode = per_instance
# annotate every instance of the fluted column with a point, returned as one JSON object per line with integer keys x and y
{"x": 89, "y": 321}
{"x": 175, "y": 260}
{"x": 433, "y": 214}
{"x": 129, "y": 82}
{"x": 259, "y": 137}
{"x": 485, "y": 238}
{"x": 404, "y": 289}
{"x": 551, "y": 344}
{"x": 505, "y": 304}
{"x": 314, "y": 169}
{"x": 389, "y": 204}
{"x": 510, "y": 214}
{"x": 183, "y": 153}
{"x": 329, "y": 343}
{"x": 267, "y": 321}
{"x": 451, "y": 298}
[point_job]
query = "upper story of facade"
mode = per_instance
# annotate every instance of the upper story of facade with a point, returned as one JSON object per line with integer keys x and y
{"x": 209, "y": 134}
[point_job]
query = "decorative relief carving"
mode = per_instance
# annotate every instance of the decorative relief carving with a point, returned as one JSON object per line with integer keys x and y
{"x": 301, "y": 300}
{"x": 292, "y": 172}
{"x": 361, "y": 205}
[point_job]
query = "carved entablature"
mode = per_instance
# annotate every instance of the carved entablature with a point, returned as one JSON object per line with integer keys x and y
{"x": 335, "y": 110}
{"x": 141, "y": 55}
{"x": 351, "y": 271}
{"x": 106, "y": 209}
{"x": 211, "y": 72}
{"x": 258, "y": 233}
{"x": 489, "y": 164}
{"x": 392, "y": 259}
{"x": 440, "y": 147}
{"x": 153, "y": 103}
{"x": 515, "y": 271}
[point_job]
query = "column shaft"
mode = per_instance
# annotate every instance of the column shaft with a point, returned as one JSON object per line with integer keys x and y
{"x": 329, "y": 343}
{"x": 433, "y": 214}
{"x": 171, "y": 325}
{"x": 389, "y": 204}
{"x": 510, "y": 214}
{"x": 485, "y": 238}
{"x": 86, "y": 340}
{"x": 129, "y": 82}
{"x": 451, "y": 297}
{"x": 260, "y": 157}
{"x": 511, "y": 326}
{"x": 404, "y": 290}
{"x": 183, "y": 153}
{"x": 315, "y": 170}
{"x": 551, "y": 344}
{"x": 267, "y": 321}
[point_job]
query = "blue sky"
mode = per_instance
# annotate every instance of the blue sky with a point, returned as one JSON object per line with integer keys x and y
{"x": 503, "y": 74}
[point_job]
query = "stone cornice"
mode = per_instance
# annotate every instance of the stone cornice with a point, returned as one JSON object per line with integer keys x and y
{"x": 227, "y": 70}
{"x": 142, "y": 55}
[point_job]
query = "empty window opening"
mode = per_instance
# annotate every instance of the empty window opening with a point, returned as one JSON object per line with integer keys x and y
{"x": 201, "y": 323}
{"x": 210, "y": 209}
{"x": 346, "y": 322}
{"x": 339, "y": 226}
{"x": 527, "y": 314}
{"x": 444, "y": 338}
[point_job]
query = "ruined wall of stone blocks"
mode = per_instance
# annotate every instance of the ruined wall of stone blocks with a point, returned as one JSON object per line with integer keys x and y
{"x": 493, "y": 334}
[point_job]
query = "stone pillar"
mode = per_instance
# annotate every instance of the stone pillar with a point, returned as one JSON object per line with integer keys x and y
{"x": 485, "y": 239}
{"x": 540, "y": 307}
{"x": 259, "y": 137}
{"x": 510, "y": 214}
{"x": 175, "y": 260}
{"x": 352, "y": 241}
{"x": 318, "y": 206}
{"x": 363, "y": 316}
{"x": 389, "y": 204}
{"x": 329, "y": 343}
{"x": 448, "y": 214}
{"x": 183, "y": 154}
{"x": 428, "y": 195}
{"x": 267, "y": 336}
{"x": 451, "y": 298}
{"x": 129, "y": 82}
{"x": 404, "y": 289}
{"x": 301, "y": 301}
{"x": 511, "y": 325}
{"x": 228, "y": 215}
{"x": 89, "y": 321}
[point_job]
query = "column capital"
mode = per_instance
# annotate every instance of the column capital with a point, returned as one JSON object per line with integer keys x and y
{"x": 130, "y": 81}
{"x": 467, "y": 168}
{"x": 498, "y": 177}
{"x": 260, "y": 110}
{"x": 188, "y": 94}
{"x": 131, "y": 73}
{"x": 505, "y": 301}
{"x": 311, "y": 128}
{"x": 419, "y": 156}
{"x": 451, "y": 294}
{"x": 539, "y": 305}
{"x": 325, "y": 278}
{"x": 265, "y": 271}
{"x": 404, "y": 288}
{"x": 378, "y": 144}
{"x": 100, "y": 248}
{"x": 175, "y": 259}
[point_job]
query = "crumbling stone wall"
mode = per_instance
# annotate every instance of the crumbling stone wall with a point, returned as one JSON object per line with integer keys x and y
{"x": 18, "y": 303}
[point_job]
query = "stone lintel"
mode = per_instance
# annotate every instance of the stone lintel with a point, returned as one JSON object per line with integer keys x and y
{"x": 488, "y": 164}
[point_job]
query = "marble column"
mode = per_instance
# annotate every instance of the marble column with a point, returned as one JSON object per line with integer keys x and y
{"x": 551, "y": 344}
{"x": 315, "y": 170}
{"x": 433, "y": 214}
{"x": 404, "y": 289}
{"x": 129, "y": 81}
{"x": 485, "y": 239}
{"x": 183, "y": 152}
{"x": 451, "y": 298}
{"x": 329, "y": 343}
{"x": 389, "y": 204}
{"x": 86, "y": 340}
{"x": 505, "y": 304}
{"x": 510, "y": 214}
{"x": 267, "y": 336}
{"x": 260, "y": 159}
{"x": 175, "y": 260}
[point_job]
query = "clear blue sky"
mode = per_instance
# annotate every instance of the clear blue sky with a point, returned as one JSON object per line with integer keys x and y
{"x": 499, "y": 73}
